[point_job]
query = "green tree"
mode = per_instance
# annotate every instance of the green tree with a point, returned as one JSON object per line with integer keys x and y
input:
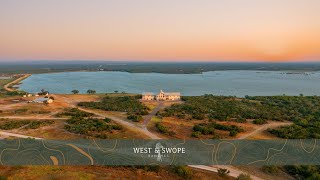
{"x": 75, "y": 91}
{"x": 90, "y": 91}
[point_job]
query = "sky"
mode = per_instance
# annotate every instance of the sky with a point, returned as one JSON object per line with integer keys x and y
{"x": 160, "y": 30}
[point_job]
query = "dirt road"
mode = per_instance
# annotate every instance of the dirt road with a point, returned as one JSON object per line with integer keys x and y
{"x": 6, "y": 87}
{"x": 124, "y": 123}
{"x": 234, "y": 172}
{"x": 7, "y": 134}
{"x": 31, "y": 118}
{"x": 153, "y": 113}
{"x": 273, "y": 124}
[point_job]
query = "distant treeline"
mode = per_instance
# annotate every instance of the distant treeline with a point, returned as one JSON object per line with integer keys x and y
{"x": 148, "y": 67}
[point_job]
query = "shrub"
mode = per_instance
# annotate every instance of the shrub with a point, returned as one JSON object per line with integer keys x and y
{"x": 304, "y": 171}
{"x": 20, "y": 111}
{"x": 37, "y": 124}
{"x": 16, "y": 93}
{"x": 107, "y": 120}
{"x": 3, "y": 177}
{"x": 164, "y": 130}
{"x": 43, "y": 92}
{"x": 198, "y": 116}
{"x": 241, "y": 120}
{"x": 209, "y": 128}
{"x": 223, "y": 172}
{"x": 259, "y": 121}
{"x": 161, "y": 128}
{"x": 244, "y": 177}
{"x": 183, "y": 171}
{"x": 181, "y": 116}
{"x": 74, "y": 112}
{"x": 8, "y": 125}
{"x": 294, "y": 132}
{"x": 116, "y": 127}
{"x": 129, "y": 104}
{"x": 90, "y": 126}
{"x": 152, "y": 168}
{"x": 196, "y": 134}
{"x": 270, "y": 169}
{"x": 134, "y": 117}
{"x": 233, "y": 133}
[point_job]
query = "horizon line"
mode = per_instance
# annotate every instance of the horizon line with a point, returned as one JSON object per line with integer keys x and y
{"x": 158, "y": 61}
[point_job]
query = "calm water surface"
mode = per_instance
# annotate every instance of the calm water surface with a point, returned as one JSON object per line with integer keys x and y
{"x": 238, "y": 83}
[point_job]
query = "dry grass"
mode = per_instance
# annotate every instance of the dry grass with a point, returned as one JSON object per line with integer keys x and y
{"x": 95, "y": 172}
{"x": 150, "y": 104}
{"x": 56, "y": 131}
{"x": 256, "y": 171}
{"x": 263, "y": 135}
{"x": 184, "y": 128}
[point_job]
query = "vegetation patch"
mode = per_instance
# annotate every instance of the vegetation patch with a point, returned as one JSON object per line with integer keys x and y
{"x": 4, "y": 93}
{"x": 291, "y": 108}
{"x": 27, "y": 124}
{"x": 271, "y": 169}
{"x": 20, "y": 111}
{"x": 74, "y": 112}
{"x": 209, "y": 129}
{"x": 244, "y": 177}
{"x": 297, "y": 131}
{"x": 134, "y": 117}
{"x": 38, "y": 124}
{"x": 223, "y": 172}
{"x": 304, "y": 111}
{"x": 163, "y": 129}
{"x": 183, "y": 171}
{"x": 91, "y": 127}
{"x": 130, "y": 104}
{"x": 259, "y": 121}
{"x": 8, "y": 125}
{"x": 304, "y": 171}
{"x": 41, "y": 112}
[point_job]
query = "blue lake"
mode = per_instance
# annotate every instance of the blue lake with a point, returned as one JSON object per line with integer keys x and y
{"x": 238, "y": 83}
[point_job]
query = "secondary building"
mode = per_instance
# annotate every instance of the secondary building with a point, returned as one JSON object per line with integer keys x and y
{"x": 148, "y": 96}
{"x": 162, "y": 96}
{"x": 43, "y": 100}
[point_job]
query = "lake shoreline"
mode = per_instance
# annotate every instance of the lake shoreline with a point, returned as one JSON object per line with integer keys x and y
{"x": 8, "y": 87}
{"x": 225, "y": 83}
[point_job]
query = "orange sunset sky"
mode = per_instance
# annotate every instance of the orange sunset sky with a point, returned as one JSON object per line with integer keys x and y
{"x": 153, "y": 30}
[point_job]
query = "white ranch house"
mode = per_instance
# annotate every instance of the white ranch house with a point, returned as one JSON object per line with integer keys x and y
{"x": 162, "y": 96}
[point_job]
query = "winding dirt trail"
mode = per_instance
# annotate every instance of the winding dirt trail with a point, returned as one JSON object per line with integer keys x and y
{"x": 7, "y": 134}
{"x": 124, "y": 123}
{"x": 273, "y": 124}
{"x": 6, "y": 87}
{"x": 234, "y": 172}
{"x": 153, "y": 113}
{"x": 31, "y": 118}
